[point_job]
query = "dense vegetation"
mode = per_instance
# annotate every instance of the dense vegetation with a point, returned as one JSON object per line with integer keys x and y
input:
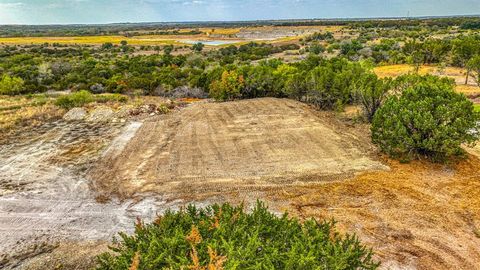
{"x": 161, "y": 28}
{"x": 334, "y": 72}
{"x": 226, "y": 237}
{"x": 429, "y": 119}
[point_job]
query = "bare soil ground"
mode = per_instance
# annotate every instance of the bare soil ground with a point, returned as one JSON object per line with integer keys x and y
{"x": 213, "y": 148}
{"x": 45, "y": 197}
{"x": 415, "y": 216}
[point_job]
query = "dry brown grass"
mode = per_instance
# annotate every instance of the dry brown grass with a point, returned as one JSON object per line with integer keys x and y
{"x": 397, "y": 70}
{"x": 21, "y": 111}
{"x": 458, "y": 74}
{"x": 468, "y": 90}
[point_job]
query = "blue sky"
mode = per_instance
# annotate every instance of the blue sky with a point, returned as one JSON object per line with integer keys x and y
{"x": 108, "y": 11}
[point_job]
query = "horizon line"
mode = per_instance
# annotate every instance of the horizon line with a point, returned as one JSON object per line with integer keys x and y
{"x": 253, "y": 21}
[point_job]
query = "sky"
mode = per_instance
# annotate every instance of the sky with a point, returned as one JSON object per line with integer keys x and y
{"x": 114, "y": 11}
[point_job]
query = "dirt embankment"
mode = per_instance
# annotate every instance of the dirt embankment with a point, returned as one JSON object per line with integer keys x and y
{"x": 215, "y": 148}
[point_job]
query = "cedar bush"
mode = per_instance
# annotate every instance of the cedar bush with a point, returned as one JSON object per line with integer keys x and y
{"x": 226, "y": 237}
{"x": 427, "y": 120}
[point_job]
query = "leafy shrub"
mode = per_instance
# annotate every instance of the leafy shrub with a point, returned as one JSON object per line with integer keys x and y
{"x": 329, "y": 86}
{"x": 225, "y": 237}
{"x": 370, "y": 93}
{"x": 10, "y": 85}
{"x": 477, "y": 107}
{"x": 228, "y": 87}
{"x": 406, "y": 81}
{"x": 76, "y": 99}
{"x": 429, "y": 119}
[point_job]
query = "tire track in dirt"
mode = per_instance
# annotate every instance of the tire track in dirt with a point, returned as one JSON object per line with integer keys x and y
{"x": 45, "y": 196}
{"x": 231, "y": 144}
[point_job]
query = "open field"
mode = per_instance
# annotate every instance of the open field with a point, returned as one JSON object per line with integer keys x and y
{"x": 236, "y": 35}
{"x": 136, "y": 40}
{"x": 458, "y": 74}
{"x": 90, "y": 40}
{"x": 105, "y": 127}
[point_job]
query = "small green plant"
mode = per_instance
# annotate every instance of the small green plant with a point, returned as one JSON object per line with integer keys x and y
{"x": 226, "y": 237}
{"x": 76, "y": 99}
{"x": 429, "y": 119}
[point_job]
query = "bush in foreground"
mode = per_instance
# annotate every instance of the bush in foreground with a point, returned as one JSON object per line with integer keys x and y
{"x": 226, "y": 237}
{"x": 429, "y": 120}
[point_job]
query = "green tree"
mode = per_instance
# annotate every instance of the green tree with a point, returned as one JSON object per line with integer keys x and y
{"x": 474, "y": 65}
{"x": 198, "y": 47}
{"x": 228, "y": 87}
{"x": 416, "y": 60}
{"x": 168, "y": 49}
{"x": 370, "y": 92}
{"x": 428, "y": 119}
{"x": 465, "y": 49}
{"x": 108, "y": 46}
{"x": 316, "y": 48}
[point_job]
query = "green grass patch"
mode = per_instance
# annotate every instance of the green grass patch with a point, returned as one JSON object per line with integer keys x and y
{"x": 82, "y": 98}
{"x": 227, "y": 237}
{"x": 77, "y": 99}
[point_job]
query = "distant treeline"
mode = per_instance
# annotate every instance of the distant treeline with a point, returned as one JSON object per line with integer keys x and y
{"x": 167, "y": 28}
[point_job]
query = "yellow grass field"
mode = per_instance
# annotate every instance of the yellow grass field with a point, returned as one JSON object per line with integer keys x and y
{"x": 458, "y": 74}
{"x": 93, "y": 40}
{"x": 168, "y": 39}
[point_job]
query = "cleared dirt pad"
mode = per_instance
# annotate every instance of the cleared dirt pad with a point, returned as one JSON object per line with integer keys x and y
{"x": 309, "y": 163}
{"x": 220, "y": 147}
